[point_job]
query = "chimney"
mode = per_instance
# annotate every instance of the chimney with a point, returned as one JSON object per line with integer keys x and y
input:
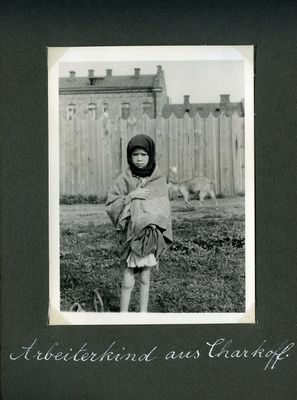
{"x": 186, "y": 100}
{"x": 91, "y": 73}
{"x": 136, "y": 73}
{"x": 108, "y": 73}
{"x": 72, "y": 75}
{"x": 159, "y": 69}
{"x": 242, "y": 103}
{"x": 225, "y": 99}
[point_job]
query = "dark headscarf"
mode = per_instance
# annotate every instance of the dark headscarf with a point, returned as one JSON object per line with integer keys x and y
{"x": 146, "y": 143}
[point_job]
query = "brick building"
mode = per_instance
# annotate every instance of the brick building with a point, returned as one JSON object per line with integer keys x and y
{"x": 113, "y": 95}
{"x": 204, "y": 109}
{"x": 131, "y": 94}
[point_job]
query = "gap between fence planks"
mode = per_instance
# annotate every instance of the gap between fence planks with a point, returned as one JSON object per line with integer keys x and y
{"x": 93, "y": 152}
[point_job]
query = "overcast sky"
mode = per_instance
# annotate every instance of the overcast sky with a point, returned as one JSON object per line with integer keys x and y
{"x": 204, "y": 81}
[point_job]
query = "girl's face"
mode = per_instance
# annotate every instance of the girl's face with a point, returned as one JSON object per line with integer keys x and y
{"x": 140, "y": 158}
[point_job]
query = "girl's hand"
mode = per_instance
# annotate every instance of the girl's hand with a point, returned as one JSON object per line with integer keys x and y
{"x": 139, "y": 193}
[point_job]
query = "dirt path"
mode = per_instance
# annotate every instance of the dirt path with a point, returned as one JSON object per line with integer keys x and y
{"x": 94, "y": 214}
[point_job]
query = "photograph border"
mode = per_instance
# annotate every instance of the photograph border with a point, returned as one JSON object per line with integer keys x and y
{"x": 27, "y": 29}
{"x": 149, "y": 53}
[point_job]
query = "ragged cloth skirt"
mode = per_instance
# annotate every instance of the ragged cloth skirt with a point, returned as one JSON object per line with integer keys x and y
{"x": 145, "y": 248}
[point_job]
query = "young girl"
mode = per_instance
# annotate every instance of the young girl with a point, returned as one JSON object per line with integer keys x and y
{"x": 138, "y": 206}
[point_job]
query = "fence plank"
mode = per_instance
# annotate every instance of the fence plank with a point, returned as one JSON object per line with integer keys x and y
{"x": 223, "y": 154}
{"x": 99, "y": 162}
{"x": 196, "y": 144}
{"x": 139, "y": 127}
{"x": 185, "y": 153}
{"x": 145, "y": 124}
{"x": 187, "y": 147}
{"x": 96, "y": 132}
{"x": 236, "y": 152}
{"x": 165, "y": 134}
{"x": 173, "y": 141}
{"x": 217, "y": 156}
{"x": 114, "y": 148}
{"x": 85, "y": 136}
{"x": 191, "y": 148}
{"x": 131, "y": 126}
{"x": 62, "y": 158}
{"x": 210, "y": 148}
{"x": 69, "y": 144}
{"x": 242, "y": 156}
{"x": 104, "y": 160}
{"x": 75, "y": 153}
{"x": 117, "y": 146}
{"x": 81, "y": 172}
{"x": 152, "y": 129}
{"x": 199, "y": 130}
{"x": 227, "y": 185}
{"x": 93, "y": 152}
{"x": 124, "y": 142}
{"x": 160, "y": 147}
{"x": 180, "y": 146}
{"x": 203, "y": 144}
{"x": 111, "y": 168}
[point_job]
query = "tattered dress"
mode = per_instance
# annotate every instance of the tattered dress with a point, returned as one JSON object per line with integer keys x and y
{"x": 144, "y": 226}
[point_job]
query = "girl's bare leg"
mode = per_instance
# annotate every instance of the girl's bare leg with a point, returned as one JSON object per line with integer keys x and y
{"x": 127, "y": 286}
{"x": 144, "y": 280}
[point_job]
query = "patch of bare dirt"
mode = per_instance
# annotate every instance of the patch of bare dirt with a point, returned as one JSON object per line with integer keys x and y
{"x": 95, "y": 214}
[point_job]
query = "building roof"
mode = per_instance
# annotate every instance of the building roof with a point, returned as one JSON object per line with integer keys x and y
{"x": 204, "y": 109}
{"x": 112, "y": 82}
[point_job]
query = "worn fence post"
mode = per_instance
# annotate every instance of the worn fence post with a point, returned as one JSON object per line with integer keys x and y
{"x": 160, "y": 143}
{"x": 212, "y": 166}
{"x": 173, "y": 142}
{"x": 93, "y": 152}
{"x": 227, "y": 180}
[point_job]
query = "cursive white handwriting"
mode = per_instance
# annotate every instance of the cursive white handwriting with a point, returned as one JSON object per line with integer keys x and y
{"x": 223, "y": 348}
{"x": 82, "y": 354}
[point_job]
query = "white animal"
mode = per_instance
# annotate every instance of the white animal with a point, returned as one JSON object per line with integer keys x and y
{"x": 201, "y": 185}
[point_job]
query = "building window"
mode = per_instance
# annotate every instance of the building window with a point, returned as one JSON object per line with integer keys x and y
{"x": 92, "y": 110}
{"x": 147, "y": 108}
{"x": 71, "y": 111}
{"x": 105, "y": 109}
{"x": 125, "y": 110}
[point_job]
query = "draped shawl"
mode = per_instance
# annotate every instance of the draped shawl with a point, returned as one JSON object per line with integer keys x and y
{"x": 133, "y": 221}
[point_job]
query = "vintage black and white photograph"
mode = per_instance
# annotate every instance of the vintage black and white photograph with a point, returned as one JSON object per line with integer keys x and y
{"x": 151, "y": 185}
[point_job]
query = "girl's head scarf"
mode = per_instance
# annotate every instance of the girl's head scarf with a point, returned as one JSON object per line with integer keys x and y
{"x": 146, "y": 143}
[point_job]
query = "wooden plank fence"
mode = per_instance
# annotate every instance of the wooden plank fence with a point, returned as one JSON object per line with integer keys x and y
{"x": 93, "y": 152}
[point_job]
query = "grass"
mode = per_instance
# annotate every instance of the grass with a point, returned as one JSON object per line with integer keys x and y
{"x": 79, "y": 199}
{"x": 203, "y": 271}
